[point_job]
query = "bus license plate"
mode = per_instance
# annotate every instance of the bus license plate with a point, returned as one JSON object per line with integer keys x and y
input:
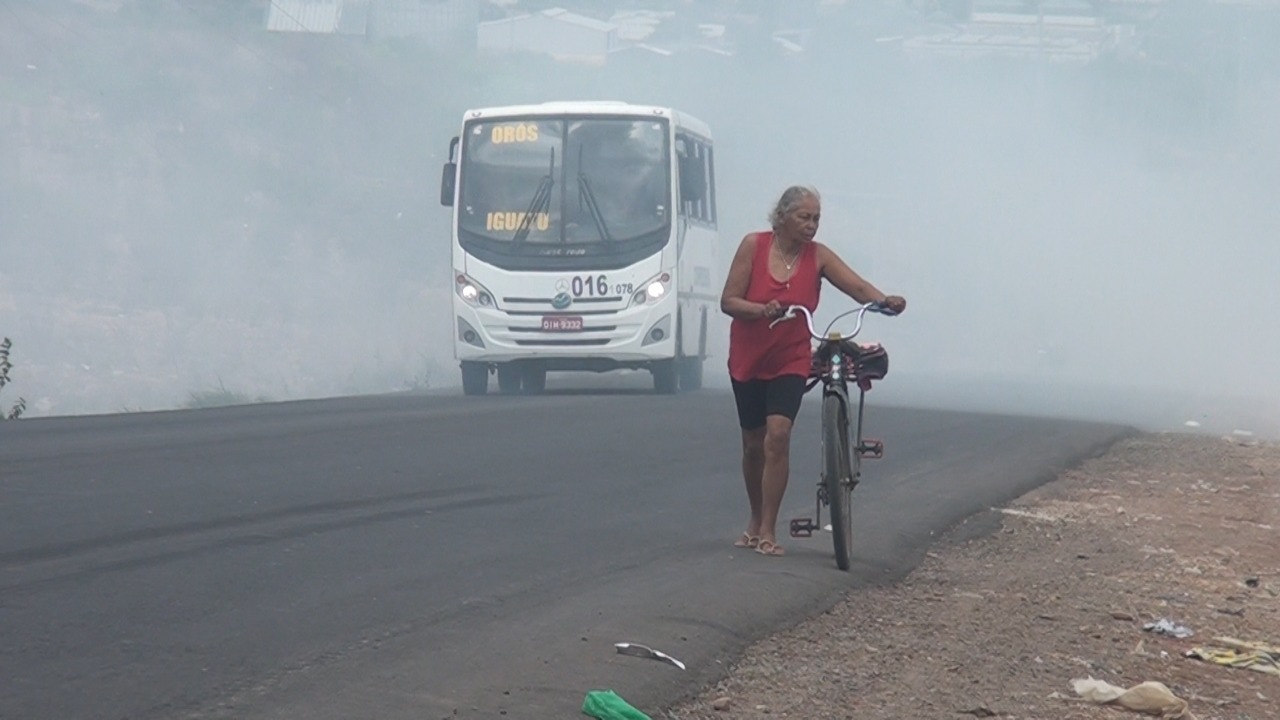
{"x": 561, "y": 324}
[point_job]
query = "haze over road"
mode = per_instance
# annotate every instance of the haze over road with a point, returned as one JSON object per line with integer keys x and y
{"x": 417, "y": 556}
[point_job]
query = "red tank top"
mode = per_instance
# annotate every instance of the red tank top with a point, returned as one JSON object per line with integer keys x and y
{"x": 757, "y": 352}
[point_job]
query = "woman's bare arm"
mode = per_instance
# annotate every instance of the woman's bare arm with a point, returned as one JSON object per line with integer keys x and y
{"x": 733, "y": 301}
{"x": 839, "y": 274}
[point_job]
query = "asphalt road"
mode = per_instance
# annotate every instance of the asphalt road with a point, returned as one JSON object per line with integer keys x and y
{"x": 437, "y": 557}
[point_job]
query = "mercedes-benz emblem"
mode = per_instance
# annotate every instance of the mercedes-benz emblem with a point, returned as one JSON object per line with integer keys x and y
{"x": 561, "y": 301}
{"x": 562, "y": 285}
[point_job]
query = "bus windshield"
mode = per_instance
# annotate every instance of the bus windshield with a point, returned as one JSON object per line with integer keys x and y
{"x": 565, "y": 186}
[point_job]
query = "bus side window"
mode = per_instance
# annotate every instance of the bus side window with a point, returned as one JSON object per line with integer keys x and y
{"x": 697, "y": 179}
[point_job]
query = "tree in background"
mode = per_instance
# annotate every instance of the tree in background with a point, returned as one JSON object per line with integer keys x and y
{"x": 19, "y": 407}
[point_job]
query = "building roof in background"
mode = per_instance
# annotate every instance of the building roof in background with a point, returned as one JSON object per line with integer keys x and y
{"x": 343, "y": 17}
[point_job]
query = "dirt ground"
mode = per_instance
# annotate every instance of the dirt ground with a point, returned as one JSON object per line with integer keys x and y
{"x": 1174, "y": 527}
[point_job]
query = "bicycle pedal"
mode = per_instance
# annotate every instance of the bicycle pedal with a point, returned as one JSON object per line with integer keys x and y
{"x": 803, "y": 527}
{"x": 873, "y": 449}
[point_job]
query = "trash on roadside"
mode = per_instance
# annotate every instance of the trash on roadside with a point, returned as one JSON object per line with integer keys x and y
{"x": 608, "y": 705}
{"x": 1029, "y": 514}
{"x": 1272, "y": 650}
{"x": 1254, "y": 660}
{"x": 1238, "y": 653}
{"x": 643, "y": 651}
{"x": 1164, "y": 626}
{"x": 1149, "y": 697}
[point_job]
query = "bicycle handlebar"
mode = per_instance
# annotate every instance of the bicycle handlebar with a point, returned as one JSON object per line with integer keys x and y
{"x": 862, "y": 310}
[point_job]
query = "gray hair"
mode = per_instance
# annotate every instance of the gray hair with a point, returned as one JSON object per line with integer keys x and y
{"x": 790, "y": 198}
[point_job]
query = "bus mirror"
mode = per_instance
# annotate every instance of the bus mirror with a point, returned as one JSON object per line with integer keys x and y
{"x": 448, "y": 177}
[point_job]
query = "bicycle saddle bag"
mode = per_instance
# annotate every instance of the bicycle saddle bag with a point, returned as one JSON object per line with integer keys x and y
{"x": 871, "y": 363}
{"x": 868, "y": 362}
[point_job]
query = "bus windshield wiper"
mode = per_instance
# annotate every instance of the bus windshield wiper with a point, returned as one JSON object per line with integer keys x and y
{"x": 541, "y": 200}
{"x": 588, "y": 198}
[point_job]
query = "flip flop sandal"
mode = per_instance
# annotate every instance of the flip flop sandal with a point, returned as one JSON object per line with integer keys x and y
{"x": 747, "y": 541}
{"x": 769, "y": 547}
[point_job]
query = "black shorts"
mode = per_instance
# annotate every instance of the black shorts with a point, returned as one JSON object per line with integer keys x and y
{"x": 758, "y": 399}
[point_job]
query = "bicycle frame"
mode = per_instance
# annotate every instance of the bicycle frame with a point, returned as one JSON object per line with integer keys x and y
{"x": 836, "y": 361}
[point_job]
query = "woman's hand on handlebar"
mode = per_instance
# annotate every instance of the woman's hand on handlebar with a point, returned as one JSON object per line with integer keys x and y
{"x": 893, "y": 304}
{"x": 772, "y": 309}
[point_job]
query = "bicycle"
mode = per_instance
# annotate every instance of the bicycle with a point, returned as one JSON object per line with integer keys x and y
{"x": 836, "y": 360}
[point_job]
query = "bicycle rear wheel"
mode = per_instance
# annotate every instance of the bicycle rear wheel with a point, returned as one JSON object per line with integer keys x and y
{"x": 836, "y": 469}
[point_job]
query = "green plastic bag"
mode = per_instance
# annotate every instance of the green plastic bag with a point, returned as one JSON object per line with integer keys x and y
{"x": 606, "y": 705}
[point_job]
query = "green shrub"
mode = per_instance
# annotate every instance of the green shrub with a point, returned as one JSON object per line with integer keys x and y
{"x": 5, "y": 366}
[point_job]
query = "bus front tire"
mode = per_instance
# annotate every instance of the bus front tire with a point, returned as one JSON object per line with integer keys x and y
{"x": 690, "y": 373}
{"x": 664, "y": 377}
{"x": 475, "y": 378}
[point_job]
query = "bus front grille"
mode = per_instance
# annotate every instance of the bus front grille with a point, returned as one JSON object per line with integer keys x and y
{"x": 585, "y": 329}
{"x": 578, "y": 342}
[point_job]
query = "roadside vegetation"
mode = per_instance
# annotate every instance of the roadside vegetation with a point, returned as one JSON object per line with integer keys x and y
{"x": 19, "y": 407}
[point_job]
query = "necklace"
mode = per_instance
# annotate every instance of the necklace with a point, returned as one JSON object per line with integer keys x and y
{"x": 789, "y": 263}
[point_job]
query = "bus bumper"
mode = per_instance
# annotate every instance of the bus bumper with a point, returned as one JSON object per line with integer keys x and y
{"x": 630, "y": 338}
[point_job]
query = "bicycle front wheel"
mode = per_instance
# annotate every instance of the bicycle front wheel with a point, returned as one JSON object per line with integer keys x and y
{"x": 836, "y": 468}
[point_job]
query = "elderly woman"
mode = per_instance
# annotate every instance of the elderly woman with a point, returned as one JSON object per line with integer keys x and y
{"x": 769, "y": 367}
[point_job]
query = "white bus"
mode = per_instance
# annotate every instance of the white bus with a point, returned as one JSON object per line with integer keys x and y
{"x": 584, "y": 239}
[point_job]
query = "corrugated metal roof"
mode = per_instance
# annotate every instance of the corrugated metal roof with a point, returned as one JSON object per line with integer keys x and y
{"x": 652, "y": 49}
{"x": 355, "y": 17}
{"x": 415, "y": 18}
{"x": 344, "y": 17}
{"x": 1063, "y": 50}
{"x": 1052, "y": 22}
{"x": 636, "y": 25}
{"x": 562, "y": 15}
{"x": 559, "y": 15}
{"x": 317, "y": 16}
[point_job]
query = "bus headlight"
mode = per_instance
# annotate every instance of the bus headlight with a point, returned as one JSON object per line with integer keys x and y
{"x": 473, "y": 292}
{"x": 653, "y": 290}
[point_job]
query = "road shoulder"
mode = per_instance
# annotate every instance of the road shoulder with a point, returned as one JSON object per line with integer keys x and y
{"x": 1168, "y": 527}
